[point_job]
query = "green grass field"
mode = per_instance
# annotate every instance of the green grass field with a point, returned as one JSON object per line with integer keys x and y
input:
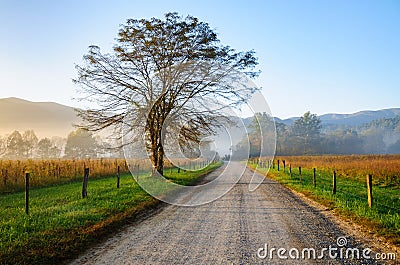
{"x": 350, "y": 199}
{"x": 60, "y": 223}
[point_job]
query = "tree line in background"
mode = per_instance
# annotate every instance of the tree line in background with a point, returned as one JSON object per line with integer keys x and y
{"x": 308, "y": 136}
{"x": 78, "y": 144}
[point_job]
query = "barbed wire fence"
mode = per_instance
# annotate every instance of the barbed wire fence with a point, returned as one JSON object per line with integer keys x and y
{"x": 350, "y": 190}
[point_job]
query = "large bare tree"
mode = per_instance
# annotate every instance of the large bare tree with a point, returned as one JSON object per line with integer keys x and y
{"x": 171, "y": 76}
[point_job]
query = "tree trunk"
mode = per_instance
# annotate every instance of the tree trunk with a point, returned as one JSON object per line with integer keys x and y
{"x": 160, "y": 162}
{"x": 156, "y": 146}
{"x": 155, "y": 122}
{"x": 157, "y": 155}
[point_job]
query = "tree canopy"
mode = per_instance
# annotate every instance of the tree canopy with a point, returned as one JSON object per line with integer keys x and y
{"x": 307, "y": 130}
{"x": 81, "y": 144}
{"x": 171, "y": 77}
{"x": 15, "y": 145}
{"x": 307, "y": 135}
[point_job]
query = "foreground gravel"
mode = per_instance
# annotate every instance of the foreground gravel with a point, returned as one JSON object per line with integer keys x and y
{"x": 230, "y": 230}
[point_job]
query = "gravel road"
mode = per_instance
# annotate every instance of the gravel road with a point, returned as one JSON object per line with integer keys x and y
{"x": 230, "y": 230}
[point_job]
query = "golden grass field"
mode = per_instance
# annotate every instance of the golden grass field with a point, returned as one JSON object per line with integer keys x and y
{"x": 384, "y": 168}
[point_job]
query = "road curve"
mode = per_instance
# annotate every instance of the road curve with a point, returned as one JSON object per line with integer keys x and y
{"x": 230, "y": 230}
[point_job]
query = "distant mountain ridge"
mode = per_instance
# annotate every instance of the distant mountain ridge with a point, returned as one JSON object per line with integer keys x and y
{"x": 53, "y": 119}
{"x": 45, "y": 118}
{"x": 354, "y": 119}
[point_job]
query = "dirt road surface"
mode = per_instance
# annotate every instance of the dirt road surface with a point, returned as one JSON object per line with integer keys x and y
{"x": 230, "y": 230}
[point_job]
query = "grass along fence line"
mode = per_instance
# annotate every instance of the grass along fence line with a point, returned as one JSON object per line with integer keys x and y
{"x": 350, "y": 198}
{"x": 384, "y": 168}
{"x": 58, "y": 171}
{"x": 61, "y": 224}
{"x": 54, "y": 171}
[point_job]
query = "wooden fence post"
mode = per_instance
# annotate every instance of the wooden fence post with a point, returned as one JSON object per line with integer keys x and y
{"x": 278, "y": 164}
{"x": 334, "y": 183}
{"x": 301, "y": 177}
{"x": 4, "y": 174}
{"x": 290, "y": 170}
{"x": 314, "y": 178}
{"x": 137, "y": 172}
{"x": 369, "y": 190}
{"x": 27, "y": 175}
{"x": 284, "y": 165}
{"x": 118, "y": 177}
{"x": 85, "y": 182}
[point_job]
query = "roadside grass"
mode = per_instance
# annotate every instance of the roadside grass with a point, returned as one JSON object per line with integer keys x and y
{"x": 350, "y": 200}
{"x": 61, "y": 224}
{"x": 186, "y": 177}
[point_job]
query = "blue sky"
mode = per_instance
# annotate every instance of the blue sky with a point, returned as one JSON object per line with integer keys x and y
{"x": 322, "y": 56}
